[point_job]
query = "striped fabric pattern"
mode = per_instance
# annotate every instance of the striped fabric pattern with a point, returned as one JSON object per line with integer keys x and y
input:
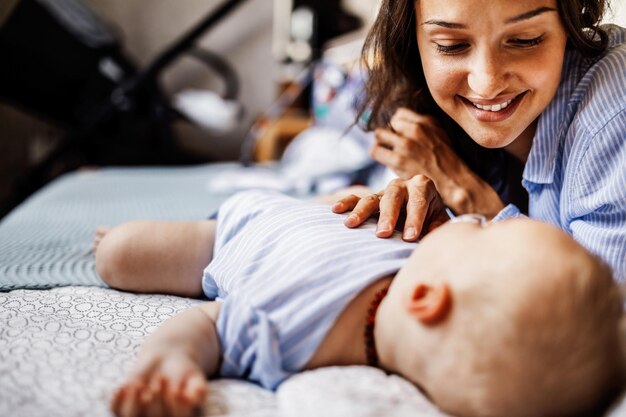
{"x": 576, "y": 171}
{"x": 46, "y": 241}
{"x": 286, "y": 268}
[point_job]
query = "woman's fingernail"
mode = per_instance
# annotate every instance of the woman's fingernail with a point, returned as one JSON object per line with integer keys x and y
{"x": 351, "y": 220}
{"x": 409, "y": 233}
{"x": 383, "y": 226}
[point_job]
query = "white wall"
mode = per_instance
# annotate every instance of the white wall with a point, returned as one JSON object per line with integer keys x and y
{"x": 617, "y": 13}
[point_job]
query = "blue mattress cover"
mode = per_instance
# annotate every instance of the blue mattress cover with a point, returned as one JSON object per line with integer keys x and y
{"x": 46, "y": 241}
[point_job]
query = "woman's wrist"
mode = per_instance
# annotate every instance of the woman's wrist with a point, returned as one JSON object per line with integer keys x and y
{"x": 465, "y": 192}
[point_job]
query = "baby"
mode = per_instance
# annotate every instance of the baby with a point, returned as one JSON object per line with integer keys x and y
{"x": 499, "y": 319}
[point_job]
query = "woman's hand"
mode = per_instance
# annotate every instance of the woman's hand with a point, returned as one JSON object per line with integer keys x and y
{"x": 425, "y": 210}
{"x": 414, "y": 144}
{"x": 417, "y": 145}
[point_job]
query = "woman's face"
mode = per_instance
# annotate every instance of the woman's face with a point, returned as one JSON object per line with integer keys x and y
{"x": 492, "y": 65}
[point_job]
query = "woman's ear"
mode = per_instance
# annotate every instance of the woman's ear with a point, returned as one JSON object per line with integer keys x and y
{"x": 430, "y": 303}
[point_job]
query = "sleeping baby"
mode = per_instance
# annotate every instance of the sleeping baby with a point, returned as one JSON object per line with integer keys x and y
{"x": 512, "y": 318}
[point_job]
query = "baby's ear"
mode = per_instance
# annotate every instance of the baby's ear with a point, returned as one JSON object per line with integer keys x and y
{"x": 430, "y": 303}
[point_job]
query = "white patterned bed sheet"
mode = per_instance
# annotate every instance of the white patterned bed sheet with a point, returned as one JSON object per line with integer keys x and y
{"x": 63, "y": 351}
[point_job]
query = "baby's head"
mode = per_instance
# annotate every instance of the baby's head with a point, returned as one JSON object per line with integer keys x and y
{"x": 511, "y": 319}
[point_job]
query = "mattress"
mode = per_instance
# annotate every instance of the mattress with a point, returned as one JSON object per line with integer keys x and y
{"x": 67, "y": 341}
{"x": 46, "y": 242}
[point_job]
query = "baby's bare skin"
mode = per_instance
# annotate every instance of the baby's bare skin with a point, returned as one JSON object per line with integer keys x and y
{"x": 165, "y": 257}
{"x": 169, "y": 376}
{"x": 163, "y": 383}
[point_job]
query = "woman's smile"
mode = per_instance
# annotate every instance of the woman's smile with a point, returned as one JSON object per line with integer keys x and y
{"x": 501, "y": 110}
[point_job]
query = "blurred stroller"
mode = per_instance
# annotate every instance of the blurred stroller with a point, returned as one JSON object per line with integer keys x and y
{"x": 63, "y": 64}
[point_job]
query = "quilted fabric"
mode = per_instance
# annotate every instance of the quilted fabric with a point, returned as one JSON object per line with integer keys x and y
{"x": 46, "y": 242}
{"x": 64, "y": 351}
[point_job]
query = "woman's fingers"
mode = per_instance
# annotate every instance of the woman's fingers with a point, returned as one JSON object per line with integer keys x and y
{"x": 403, "y": 113}
{"x": 385, "y": 156}
{"x": 391, "y": 204}
{"x": 387, "y": 138}
{"x": 421, "y": 194}
{"x": 416, "y": 208}
{"x": 424, "y": 208}
{"x": 363, "y": 209}
{"x": 345, "y": 204}
{"x": 407, "y": 153}
{"x": 388, "y": 149}
{"x": 408, "y": 123}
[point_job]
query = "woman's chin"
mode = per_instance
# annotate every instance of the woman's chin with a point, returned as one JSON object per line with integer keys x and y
{"x": 492, "y": 141}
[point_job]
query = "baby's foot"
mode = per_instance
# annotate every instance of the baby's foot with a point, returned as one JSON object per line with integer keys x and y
{"x": 98, "y": 236}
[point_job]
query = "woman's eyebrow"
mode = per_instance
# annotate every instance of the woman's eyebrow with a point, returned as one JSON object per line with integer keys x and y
{"x": 445, "y": 24}
{"x": 524, "y": 16}
{"x": 530, "y": 14}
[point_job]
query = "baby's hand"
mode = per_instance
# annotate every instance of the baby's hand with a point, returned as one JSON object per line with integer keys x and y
{"x": 163, "y": 384}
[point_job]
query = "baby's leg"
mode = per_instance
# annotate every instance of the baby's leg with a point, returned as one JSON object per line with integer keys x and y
{"x": 156, "y": 256}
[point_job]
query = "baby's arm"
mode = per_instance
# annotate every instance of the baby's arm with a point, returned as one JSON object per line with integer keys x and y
{"x": 170, "y": 375}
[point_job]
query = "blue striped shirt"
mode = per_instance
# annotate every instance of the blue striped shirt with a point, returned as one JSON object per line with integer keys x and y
{"x": 576, "y": 170}
{"x": 286, "y": 268}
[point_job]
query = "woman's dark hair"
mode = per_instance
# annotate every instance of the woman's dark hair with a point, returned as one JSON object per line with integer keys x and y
{"x": 396, "y": 79}
{"x": 581, "y": 19}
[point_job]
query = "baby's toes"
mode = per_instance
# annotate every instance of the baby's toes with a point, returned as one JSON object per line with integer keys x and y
{"x": 102, "y": 230}
{"x": 98, "y": 236}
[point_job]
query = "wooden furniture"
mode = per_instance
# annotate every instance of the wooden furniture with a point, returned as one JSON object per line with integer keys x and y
{"x": 276, "y": 134}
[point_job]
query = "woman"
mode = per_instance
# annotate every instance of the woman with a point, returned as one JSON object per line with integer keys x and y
{"x": 485, "y": 90}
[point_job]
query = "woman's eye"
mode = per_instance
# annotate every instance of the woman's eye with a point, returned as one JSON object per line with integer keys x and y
{"x": 451, "y": 49}
{"x": 527, "y": 43}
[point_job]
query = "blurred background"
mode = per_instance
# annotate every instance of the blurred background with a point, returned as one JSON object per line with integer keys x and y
{"x": 208, "y": 95}
{"x": 256, "y": 49}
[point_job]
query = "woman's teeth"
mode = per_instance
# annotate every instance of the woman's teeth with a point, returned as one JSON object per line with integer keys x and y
{"x": 495, "y": 107}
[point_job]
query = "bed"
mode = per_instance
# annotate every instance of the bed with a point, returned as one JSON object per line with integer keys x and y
{"x": 66, "y": 341}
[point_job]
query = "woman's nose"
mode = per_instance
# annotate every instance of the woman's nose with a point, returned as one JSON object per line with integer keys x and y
{"x": 487, "y": 75}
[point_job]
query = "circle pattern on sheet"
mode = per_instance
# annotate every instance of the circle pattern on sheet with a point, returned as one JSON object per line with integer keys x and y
{"x": 64, "y": 351}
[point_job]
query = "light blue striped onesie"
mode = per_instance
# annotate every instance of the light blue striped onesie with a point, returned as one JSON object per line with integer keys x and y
{"x": 285, "y": 269}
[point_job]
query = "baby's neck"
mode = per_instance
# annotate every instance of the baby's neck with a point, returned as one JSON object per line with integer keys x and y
{"x": 344, "y": 344}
